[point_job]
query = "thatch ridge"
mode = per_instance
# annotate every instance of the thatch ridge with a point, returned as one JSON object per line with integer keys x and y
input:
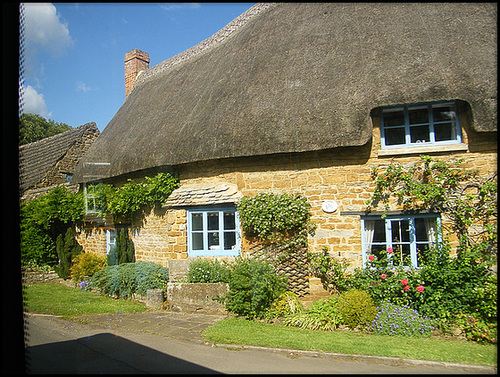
{"x": 304, "y": 77}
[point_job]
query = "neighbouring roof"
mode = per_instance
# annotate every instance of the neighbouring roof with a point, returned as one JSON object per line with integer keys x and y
{"x": 37, "y": 158}
{"x": 291, "y": 77}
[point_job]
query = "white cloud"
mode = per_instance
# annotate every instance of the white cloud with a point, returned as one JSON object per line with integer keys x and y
{"x": 82, "y": 87}
{"x": 44, "y": 32}
{"x": 33, "y": 102}
{"x": 43, "y": 27}
{"x": 173, "y": 6}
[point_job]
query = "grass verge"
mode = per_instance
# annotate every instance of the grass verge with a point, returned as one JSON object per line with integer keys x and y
{"x": 243, "y": 332}
{"x": 56, "y": 299}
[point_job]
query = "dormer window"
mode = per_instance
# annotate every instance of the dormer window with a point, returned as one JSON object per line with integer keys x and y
{"x": 433, "y": 123}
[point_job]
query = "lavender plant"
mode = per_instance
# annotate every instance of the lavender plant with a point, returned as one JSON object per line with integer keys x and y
{"x": 400, "y": 320}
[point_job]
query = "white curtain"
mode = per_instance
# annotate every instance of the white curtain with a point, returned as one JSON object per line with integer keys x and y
{"x": 369, "y": 232}
{"x": 431, "y": 228}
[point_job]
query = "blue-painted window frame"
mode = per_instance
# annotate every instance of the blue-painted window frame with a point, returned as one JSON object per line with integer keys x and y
{"x": 431, "y": 123}
{"x": 206, "y": 251}
{"x": 412, "y": 236}
{"x": 110, "y": 240}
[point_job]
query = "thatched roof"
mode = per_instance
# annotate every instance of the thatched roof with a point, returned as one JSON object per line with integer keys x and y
{"x": 292, "y": 77}
{"x": 37, "y": 158}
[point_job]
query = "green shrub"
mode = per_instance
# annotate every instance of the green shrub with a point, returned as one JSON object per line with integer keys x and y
{"x": 400, "y": 320}
{"x": 208, "y": 271}
{"x": 286, "y": 304}
{"x": 124, "y": 247}
{"x": 67, "y": 249}
{"x": 356, "y": 307}
{"x": 86, "y": 265}
{"x": 475, "y": 328}
{"x": 321, "y": 315}
{"x": 112, "y": 257}
{"x": 128, "y": 278}
{"x": 253, "y": 286}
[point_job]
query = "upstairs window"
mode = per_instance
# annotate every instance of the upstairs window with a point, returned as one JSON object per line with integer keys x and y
{"x": 94, "y": 200}
{"x": 213, "y": 232}
{"x": 91, "y": 202}
{"x": 420, "y": 124}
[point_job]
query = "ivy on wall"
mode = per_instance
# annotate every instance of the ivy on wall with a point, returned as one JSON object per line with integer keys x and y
{"x": 133, "y": 196}
{"x": 278, "y": 219}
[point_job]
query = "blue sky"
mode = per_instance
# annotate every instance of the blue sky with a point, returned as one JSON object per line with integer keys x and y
{"x": 73, "y": 59}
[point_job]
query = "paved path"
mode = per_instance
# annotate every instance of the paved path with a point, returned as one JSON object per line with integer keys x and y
{"x": 167, "y": 342}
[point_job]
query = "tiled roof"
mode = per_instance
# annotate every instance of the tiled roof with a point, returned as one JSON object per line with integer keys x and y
{"x": 204, "y": 194}
{"x": 37, "y": 158}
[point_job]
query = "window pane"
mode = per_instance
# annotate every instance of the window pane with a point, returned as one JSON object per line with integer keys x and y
{"x": 197, "y": 241}
{"x": 394, "y": 136}
{"x": 379, "y": 251}
{"x": 379, "y": 231}
{"x": 418, "y": 116}
{"x": 213, "y": 241}
{"x": 229, "y": 221}
{"x": 229, "y": 240}
{"x": 401, "y": 254}
{"x": 213, "y": 220}
{"x": 420, "y": 134}
{"x": 444, "y": 113}
{"x": 197, "y": 221}
{"x": 445, "y": 131}
{"x": 400, "y": 230}
{"x": 394, "y": 118}
{"x": 425, "y": 229}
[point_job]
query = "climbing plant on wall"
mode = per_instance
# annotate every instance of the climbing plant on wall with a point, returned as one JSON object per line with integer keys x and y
{"x": 279, "y": 219}
{"x": 133, "y": 196}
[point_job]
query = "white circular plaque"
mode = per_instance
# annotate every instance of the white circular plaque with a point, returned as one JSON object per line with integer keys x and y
{"x": 329, "y": 206}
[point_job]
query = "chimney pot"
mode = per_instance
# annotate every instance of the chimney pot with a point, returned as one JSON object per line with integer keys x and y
{"x": 135, "y": 62}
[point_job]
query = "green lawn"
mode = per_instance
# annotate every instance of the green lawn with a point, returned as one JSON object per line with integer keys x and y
{"x": 51, "y": 298}
{"x": 243, "y": 332}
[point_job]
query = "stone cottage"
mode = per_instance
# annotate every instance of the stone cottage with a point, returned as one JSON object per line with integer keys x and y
{"x": 51, "y": 161}
{"x": 306, "y": 99}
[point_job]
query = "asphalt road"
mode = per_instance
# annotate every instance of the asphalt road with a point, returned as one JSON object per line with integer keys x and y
{"x": 59, "y": 346}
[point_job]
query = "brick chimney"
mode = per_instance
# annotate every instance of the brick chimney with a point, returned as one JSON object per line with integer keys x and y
{"x": 135, "y": 62}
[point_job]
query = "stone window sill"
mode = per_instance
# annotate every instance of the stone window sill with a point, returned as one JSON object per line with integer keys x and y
{"x": 423, "y": 150}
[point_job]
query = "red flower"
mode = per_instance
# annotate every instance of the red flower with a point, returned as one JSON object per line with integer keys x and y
{"x": 371, "y": 257}
{"x": 420, "y": 288}
{"x": 390, "y": 250}
{"x": 406, "y": 287}
{"x": 383, "y": 276}
{"x": 404, "y": 282}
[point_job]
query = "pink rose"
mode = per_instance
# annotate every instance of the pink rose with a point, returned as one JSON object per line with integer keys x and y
{"x": 390, "y": 250}
{"x": 371, "y": 257}
{"x": 420, "y": 288}
{"x": 404, "y": 282}
{"x": 383, "y": 276}
{"x": 406, "y": 287}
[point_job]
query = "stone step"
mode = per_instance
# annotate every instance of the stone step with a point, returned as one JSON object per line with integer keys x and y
{"x": 308, "y": 299}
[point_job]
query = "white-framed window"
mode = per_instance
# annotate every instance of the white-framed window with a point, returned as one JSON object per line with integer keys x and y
{"x": 110, "y": 240}
{"x": 89, "y": 193}
{"x": 432, "y": 123}
{"x": 213, "y": 232}
{"x": 406, "y": 237}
